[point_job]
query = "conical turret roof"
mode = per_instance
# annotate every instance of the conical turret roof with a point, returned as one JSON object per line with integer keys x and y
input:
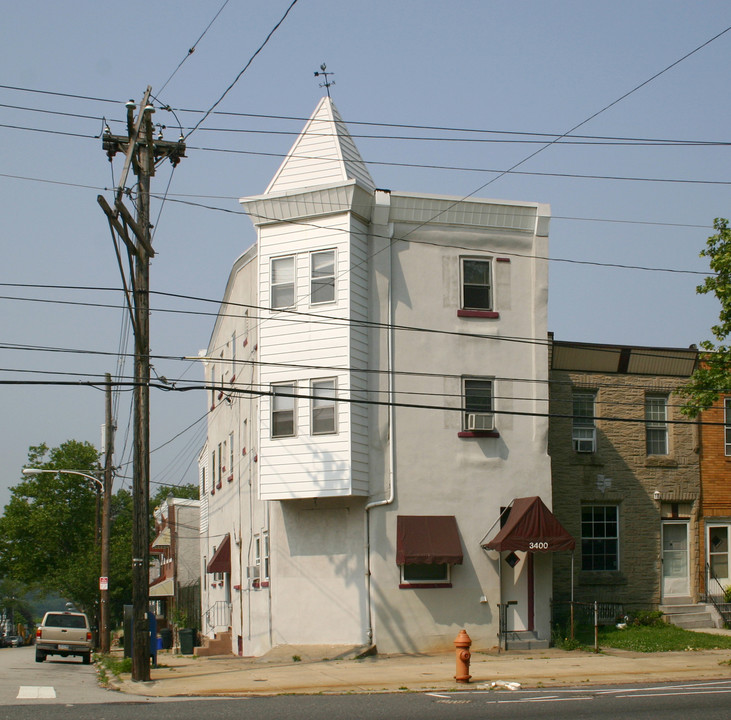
{"x": 324, "y": 153}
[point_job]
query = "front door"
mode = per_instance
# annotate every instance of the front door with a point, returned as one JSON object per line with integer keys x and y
{"x": 675, "y": 576}
{"x": 718, "y": 556}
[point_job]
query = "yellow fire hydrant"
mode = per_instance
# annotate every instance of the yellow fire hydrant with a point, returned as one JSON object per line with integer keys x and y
{"x": 462, "y": 645}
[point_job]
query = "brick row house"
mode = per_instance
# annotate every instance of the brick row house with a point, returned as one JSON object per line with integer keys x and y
{"x": 372, "y": 416}
{"x": 626, "y": 468}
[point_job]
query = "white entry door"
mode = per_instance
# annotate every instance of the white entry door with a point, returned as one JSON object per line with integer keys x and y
{"x": 675, "y": 576}
{"x": 718, "y": 554}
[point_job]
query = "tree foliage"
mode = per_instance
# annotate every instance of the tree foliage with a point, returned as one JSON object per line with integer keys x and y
{"x": 47, "y": 533}
{"x": 713, "y": 375}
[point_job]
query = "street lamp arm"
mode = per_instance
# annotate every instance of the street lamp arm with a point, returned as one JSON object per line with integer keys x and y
{"x": 39, "y": 471}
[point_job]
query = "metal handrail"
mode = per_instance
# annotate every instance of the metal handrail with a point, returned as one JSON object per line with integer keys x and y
{"x": 218, "y": 614}
{"x": 721, "y": 608}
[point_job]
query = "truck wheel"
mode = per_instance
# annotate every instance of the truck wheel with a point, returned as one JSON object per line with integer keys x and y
{"x": 40, "y": 656}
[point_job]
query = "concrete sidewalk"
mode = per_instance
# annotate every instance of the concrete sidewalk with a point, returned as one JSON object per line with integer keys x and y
{"x": 308, "y": 671}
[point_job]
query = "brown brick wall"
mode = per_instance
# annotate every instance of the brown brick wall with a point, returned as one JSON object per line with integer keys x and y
{"x": 621, "y": 473}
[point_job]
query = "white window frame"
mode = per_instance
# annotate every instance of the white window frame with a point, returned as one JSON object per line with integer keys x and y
{"x": 275, "y": 288}
{"x": 656, "y": 424}
{"x": 727, "y": 425}
{"x": 319, "y": 282}
{"x": 231, "y": 454}
{"x": 322, "y": 400}
{"x": 469, "y": 404}
{"x": 583, "y": 424}
{"x": 468, "y": 303}
{"x": 289, "y": 401}
{"x": 600, "y": 537}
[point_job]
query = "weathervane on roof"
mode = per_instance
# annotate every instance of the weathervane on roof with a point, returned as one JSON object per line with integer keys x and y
{"x": 323, "y": 72}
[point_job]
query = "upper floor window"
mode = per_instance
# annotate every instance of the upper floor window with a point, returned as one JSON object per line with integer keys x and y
{"x": 727, "y": 425}
{"x": 476, "y": 284}
{"x": 478, "y": 405}
{"x": 323, "y": 407}
{"x": 282, "y": 282}
{"x": 656, "y": 424}
{"x": 583, "y": 433}
{"x": 283, "y": 407}
{"x": 322, "y": 276}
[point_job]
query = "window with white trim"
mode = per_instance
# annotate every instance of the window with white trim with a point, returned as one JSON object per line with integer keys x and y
{"x": 583, "y": 432}
{"x": 283, "y": 409}
{"x": 323, "y": 417}
{"x": 656, "y": 424}
{"x": 282, "y": 282}
{"x": 478, "y": 404}
{"x": 231, "y": 456}
{"x": 727, "y": 425}
{"x": 322, "y": 276}
{"x": 599, "y": 537}
{"x": 477, "y": 284}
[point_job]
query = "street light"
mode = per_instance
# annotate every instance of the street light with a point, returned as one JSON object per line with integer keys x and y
{"x": 106, "y": 489}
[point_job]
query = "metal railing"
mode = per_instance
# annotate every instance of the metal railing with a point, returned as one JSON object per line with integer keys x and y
{"x": 218, "y": 615}
{"x": 716, "y": 595}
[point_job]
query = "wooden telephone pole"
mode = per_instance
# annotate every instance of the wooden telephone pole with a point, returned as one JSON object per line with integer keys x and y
{"x": 142, "y": 152}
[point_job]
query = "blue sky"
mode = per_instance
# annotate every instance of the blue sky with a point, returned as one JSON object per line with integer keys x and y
{"x": 514, "y": 71}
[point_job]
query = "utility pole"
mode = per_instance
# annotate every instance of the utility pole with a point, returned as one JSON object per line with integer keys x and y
{"x": 106, "y": 503}
{"x": 142, "y": 152}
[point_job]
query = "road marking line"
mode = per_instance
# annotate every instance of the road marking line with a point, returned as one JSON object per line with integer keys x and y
{"x": 34, "y": 692}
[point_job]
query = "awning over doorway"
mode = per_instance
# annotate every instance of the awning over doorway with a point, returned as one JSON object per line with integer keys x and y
{"x": 531, "y": 527}
{"x": 163, "y": 587}
{"x": 221, "y": 560}
{"x": 427, "y": 540}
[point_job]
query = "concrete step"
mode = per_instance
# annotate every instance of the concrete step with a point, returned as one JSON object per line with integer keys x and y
{"x": 688, "y": 616}
{"x": 218, "y": 645}
{"x": 524, "y": 640}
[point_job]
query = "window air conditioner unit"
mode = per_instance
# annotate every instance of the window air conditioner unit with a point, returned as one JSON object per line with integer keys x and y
{"x": 252, "y": 572}
{"x": 481, "y": 421}
{"x": 585, "y": 445}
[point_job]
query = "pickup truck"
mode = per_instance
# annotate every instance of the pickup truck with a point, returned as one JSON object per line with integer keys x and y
{"x": 64, "y": 634}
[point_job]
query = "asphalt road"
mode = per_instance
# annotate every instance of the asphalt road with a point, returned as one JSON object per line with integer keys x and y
{"x": 65, "y": 688}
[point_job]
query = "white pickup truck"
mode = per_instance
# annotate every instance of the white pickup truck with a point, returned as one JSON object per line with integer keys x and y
{"x": 64, "y": 634}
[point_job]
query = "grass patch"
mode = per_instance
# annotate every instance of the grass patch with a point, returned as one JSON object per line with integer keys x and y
{"x": 111, "y": 665}
{"x": 659, "y": 637}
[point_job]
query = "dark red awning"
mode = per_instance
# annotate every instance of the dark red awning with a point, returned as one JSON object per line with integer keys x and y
{"x": 221, "y": 560}
{"x": 531, "y": 527}
{"x": 427, "y": 540}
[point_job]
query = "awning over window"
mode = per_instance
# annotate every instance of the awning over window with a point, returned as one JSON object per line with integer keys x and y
{"x": 531, "y": 527}
{"x": 221, "y": 560}
{"x": 163, "y": 539}
{"x": 427, "y": 540}
{"x": 162, "y": 587}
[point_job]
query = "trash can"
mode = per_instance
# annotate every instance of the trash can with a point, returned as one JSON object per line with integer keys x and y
{"x": 186, "y": 641}
{"x": 166, "y": 635}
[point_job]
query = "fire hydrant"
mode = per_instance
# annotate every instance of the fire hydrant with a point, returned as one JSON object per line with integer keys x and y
{"x": 462, "y": 645}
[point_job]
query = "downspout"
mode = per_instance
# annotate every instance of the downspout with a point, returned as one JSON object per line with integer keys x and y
{"x": 381, "y": 213}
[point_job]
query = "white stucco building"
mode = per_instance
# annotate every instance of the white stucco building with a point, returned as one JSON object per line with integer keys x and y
{"x": 379, "y": 395}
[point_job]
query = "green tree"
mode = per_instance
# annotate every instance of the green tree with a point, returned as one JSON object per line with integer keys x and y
{"x": 48, "y": 530}
{"x": 713, "y": 375}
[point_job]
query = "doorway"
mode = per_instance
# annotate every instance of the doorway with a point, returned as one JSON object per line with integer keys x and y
{"x": 675, "y": 575}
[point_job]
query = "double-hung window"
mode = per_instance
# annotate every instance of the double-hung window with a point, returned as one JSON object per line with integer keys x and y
{"x": 478, "y": 405}
{"x": 656, "y": 424}
{"x": 599, "y": 537}
{"x": 323, "y": 420}
{"x": 583, "y": 433}
{"x": 283, "y": 409}
{"x": 282, "y": 282}
{"x": 476, "y": 284}
{"x": 322, "y": 276}
{"x": 727, "y": 425}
